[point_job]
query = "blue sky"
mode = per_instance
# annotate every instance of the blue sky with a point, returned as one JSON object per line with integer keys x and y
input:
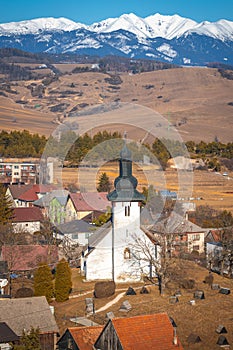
{"x": 89, "y": 11}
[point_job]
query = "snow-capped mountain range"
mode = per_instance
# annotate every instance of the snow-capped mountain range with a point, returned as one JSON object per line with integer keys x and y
{"x": 171, "y": 39}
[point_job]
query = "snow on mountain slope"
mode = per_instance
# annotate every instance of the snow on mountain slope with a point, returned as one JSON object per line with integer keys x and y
{"x": 37, "y": 25}
{"x": 157, "y": 25}
{"x": 169, "y": 27}
{"x": 129, "y": 22}
{"x": 221, "y": 29}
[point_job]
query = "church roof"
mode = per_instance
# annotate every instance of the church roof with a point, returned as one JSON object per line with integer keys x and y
{"x": 125, "y": 184}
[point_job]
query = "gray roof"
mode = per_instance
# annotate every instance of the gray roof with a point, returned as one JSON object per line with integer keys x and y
{"x": 24, "y": 313}
{"x": 176, "y": 223}
{"x": 44, "y": 201}
{"x": 75, "y": 226}
{"x": 99, "y": 234}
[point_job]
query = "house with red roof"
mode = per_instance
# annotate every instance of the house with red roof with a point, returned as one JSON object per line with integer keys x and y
{"x": 144, "y": 332}
{"x": 79, "y": 338}
{"x": 27, "y": 219}
{"x": 26, "y": 258}
{"x": 25, "y": 195}
{"x": 81, "y": 204}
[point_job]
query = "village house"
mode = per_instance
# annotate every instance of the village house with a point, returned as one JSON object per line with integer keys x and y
{"x": 24, "y": 259}
{"x": 110, "y": 250}
{"x": 144, "y": 332}
{"x": 53, "y": 205}
{"x": 25, "y": 195}
{"x": 182, "y": 235}
{"x": 21, "y": 314}
{"x": 79, "y": 338}
{"x": 7, "y": 337}
{"x": 27, "y": 220}
{"x": 80, "y": 204}
{"x": 76, "y": 231}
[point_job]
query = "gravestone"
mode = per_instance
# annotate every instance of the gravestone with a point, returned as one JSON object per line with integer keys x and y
{"x": 194, "y": 338}
{"x": 144, "y": 290}
{"x": 130, "y": 291}
{"x": 125, "y": 306}
{"x": 215, "y": 286}
{"x": 173, "y": 300}
{"x": 109, "y": 315}
{"x": 221, "y": 329}
{"x": 177, "y": 293}
{"x": 199, "y": 294}
{"x": 222, "y": 340}
{"x": 89, "y": 306}
{"x": 225, "y": 291}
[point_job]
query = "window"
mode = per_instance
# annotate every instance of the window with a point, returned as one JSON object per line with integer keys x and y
{"x": 196, "y": 237}
{"x": 127, "y": 210}
{"x": 127, "y": 253}
{"x": 196, "y": 247}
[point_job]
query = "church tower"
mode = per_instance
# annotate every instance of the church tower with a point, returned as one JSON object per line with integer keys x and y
{"x": 112, "y": 252}
{"x": 126, "y": 202}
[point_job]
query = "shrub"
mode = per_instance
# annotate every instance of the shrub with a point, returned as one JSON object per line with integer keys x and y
{"x": 104, "y": 289}
{"x": 63, "y": 283}
{"x": 43, "y": 282}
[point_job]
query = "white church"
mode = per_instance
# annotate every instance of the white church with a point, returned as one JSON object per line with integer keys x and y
{"x": 114, "y": 252}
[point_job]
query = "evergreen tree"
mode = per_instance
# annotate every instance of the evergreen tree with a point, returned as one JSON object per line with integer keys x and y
{"x": 43, "y": 282}
{"x": 104, "y": 184}
{"x": 6, "y": 207}
{"x": 63, "y": 283}
{"x": 29, "y": 340}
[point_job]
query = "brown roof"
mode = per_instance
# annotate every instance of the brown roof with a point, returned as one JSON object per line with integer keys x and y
{"x": 28, "y": 257}
{"x": 89, "y": 201}
{"x": 26, "y": 214}
{"x": 22, "y": 313}
{"x": 85, "y": 337}
{"x": 18, "y": 190}
{"x": 29, "y": 196}
{"x": 145, "y": 332}
{"x": 31, "y": 193}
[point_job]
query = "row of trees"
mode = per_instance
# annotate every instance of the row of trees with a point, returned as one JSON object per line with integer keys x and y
{"x": 21, "y": 144}
{"x": 24, "y": 144}
{"x": 206, "y": 216}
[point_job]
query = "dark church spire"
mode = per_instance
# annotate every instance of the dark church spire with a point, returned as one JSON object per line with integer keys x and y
{"x": 125, "y": 184}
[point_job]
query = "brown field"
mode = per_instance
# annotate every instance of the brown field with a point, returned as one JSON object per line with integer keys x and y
{"x": 198, "y": 94}
{"x": 208, "y": 188}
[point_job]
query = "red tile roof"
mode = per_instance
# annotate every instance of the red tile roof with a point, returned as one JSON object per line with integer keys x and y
{"x": 85, "y": 337}
{"x": 30, "y": 214}
{"x": 28, "y": 257}
{"x": 18, "y": 190}
{"x": 89, "y": 201}
{"x": 146, "y": 332}
{"x": 31, "y": 194}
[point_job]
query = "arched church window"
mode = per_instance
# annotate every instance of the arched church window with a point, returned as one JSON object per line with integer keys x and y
{"x": 127, "y": 253}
